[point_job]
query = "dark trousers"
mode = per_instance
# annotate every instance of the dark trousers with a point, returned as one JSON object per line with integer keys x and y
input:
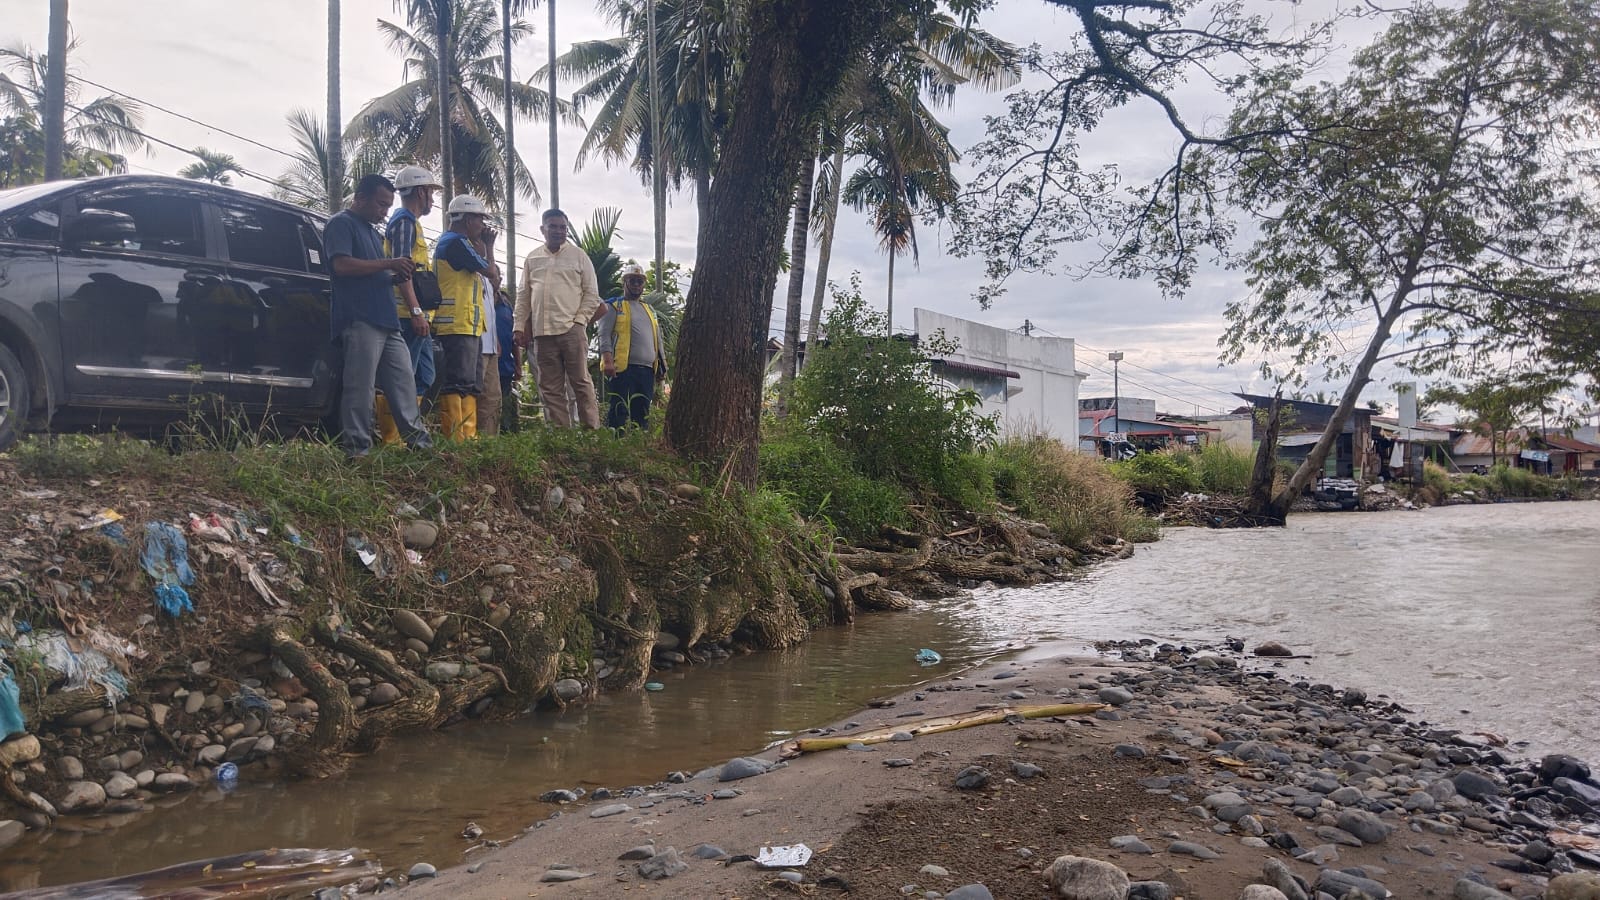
{"x": 461, "y": 368}
{"x": 628, "y": 396}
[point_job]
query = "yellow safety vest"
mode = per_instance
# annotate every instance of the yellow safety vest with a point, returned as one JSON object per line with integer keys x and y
{"x": 623, "y": 331}
{"x": 419, "y": 255}
{"x": 462, "y": 309}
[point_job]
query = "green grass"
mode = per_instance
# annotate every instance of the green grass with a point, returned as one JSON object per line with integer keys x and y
{"x": 1075, "y": 495}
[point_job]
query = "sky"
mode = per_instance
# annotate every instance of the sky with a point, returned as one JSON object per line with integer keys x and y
{"x": 241, "y": 67}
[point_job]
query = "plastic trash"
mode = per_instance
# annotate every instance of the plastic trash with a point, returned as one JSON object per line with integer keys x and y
{"x": 115, "y": 532}
{"x": 227, "y": 776}
{"x": 786, "y": 857}
{"x": 928, "y": 657}
{"x": 81, "y": 668}
{"x": 368, "y": 554}
{"x": 654, "y": 686}
{"x": 11, "y": 721}
{"x": 100, "y": 519}
{"x": 166, "y": 559}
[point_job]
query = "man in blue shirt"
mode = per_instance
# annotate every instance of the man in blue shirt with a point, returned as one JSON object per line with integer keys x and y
{"x": 364, "y": 321}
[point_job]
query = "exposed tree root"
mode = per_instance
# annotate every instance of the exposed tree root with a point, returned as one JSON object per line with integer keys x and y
{"x": 319, "y": 754}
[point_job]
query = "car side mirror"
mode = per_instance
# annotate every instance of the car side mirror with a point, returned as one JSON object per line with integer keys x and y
{"x": 101, "y": 228}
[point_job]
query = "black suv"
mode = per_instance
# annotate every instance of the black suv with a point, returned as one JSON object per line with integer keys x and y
{"x": 125, "y": 298}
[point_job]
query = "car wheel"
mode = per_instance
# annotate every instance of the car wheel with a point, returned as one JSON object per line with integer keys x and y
{"x": 15, "y": 397}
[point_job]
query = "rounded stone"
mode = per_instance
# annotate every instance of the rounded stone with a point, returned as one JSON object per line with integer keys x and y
{"x": 1574, "y": 886}
{"x": 382, "y": 694}
{"x": 411, "y": 625}
{"x": 420, "y": 534}
{"x": 1080, "y": 878}
{"x": 422, "y": 870}
{"x": 120, "y": 785}
{"x": 568, "y": 689}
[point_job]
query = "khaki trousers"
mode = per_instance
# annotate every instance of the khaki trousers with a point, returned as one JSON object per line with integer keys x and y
{"x": 563, "y": 361}
{"x": 489, "y": 397}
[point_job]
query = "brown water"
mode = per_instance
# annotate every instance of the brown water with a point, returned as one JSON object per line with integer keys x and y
{"x": 1485, "y": 616}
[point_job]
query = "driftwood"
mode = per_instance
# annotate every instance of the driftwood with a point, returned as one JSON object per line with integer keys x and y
{"x": 1001, "y": 568}
{"x": 941, "y": 724}
{"x": 878, "y": 597}
{"x": 51, "y": 707}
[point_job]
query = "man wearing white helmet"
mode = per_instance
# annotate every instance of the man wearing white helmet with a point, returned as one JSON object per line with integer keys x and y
{"x": 403, "y": 237}
{"x": 459, "y": 321}
{"x": 630, "y": 353}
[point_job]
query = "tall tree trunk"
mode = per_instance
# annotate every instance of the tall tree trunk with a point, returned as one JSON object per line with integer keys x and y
{"x": 509, "y": 276}
{"x": 658, "y": 182}
{"x": 797, "y": 275}
{"x": 555, "y": 153}
{"x": 889, "y": 306}
{"x": 702, "y": 203}
{"x": 55, "y": 94}
{"x": 825, "y": 249}
{"x": 335, "y": 185}
{"x": 1264, "y": 474}
{"x": 795, "y": 57}
{"x": 443, "y": 10}
{"x": 1359, "y": 379}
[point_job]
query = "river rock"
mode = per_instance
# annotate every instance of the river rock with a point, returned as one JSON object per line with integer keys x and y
{"x": 643, "y": 851}
{"x": 1261, "y": 892}
{"x": 132, "y": 722}
{"x": 11, "y": 831}
{"x": 193, "y": 702}
{"x": 417, "y": 646}
{"x": 1131, "y": 843}
{"x": 441, "y": 672}
{"x": 15, "y": 752}
{"x": 70, "y": 767}
{"x": 411, "y": 625}
{"x": 686, "y": 491}
{"x": 970, "y": 892}
{"x": 1278, "y": 875}
{"x": 1273, "y": 648}
{"x": 664, "y": 864}
{"x": 1079, "y": 878}
{"x": 973, "y": 778}
{"x": 1190, "y": 848}
{"x": 422, "y": 870}
{"x": 1467, "y": 889}
{"x": 1574, "y": 886}
{"x": 666, "y": 640}
{"x": 1150, "y": 890}
{"x": 1584, "y": 791}
{"x": 1114, "y": 695}
{"x": 610, "y": 809}
{"x": 419, "y": 534}
{"x": 211, "y": 754}
{"x": 239, "y": 748}
{"x": 382, "y": 694}
{"x": 171, "y": 781}
{"x": 556, "y": 876}
{"x": 1560, "y": 765}
{"x": 1025, "y": 771}
{"x": 499, "y": 615}
{"x": 82, "y": 796}
{"x": 1474, "y": 785}
{"x": 1338, "y": 884}
{"x": 159, "y": 713}
{"x": 1364, "y": 825}
{"x": 265, "y": 744}
{"x": 85, "y": 718}
{"x": 120, "y": 785}
{"x": 128, "y": 760}
{"x": 568, "y": 689}
{"x": 742, "y": 767}
{"x": 145, "y": 778}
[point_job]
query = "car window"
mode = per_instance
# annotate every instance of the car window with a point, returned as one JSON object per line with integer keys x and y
{"x": 264, "y": 237}
{"x": 164, "y": 223}
{"x": 313, "y": 241}
{"x": 42, "y": 224}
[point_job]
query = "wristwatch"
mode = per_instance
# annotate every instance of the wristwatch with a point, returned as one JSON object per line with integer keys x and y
{"x": 416, "y": 311}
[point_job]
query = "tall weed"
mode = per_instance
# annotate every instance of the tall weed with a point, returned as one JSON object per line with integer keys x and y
{"x": 1074, "y": 494}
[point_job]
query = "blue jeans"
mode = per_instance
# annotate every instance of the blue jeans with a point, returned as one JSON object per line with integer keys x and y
{"x": 421, "y": 350}
{"x": 376, "y": 358}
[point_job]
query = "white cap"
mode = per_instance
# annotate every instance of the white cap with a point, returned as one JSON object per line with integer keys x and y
{"x": 632, "y": 269}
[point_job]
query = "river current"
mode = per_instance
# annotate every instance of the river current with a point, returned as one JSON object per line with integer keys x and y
{"x": 1484, "y": 617}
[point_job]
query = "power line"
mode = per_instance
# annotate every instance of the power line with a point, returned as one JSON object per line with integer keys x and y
{"x": 1209, "y": 390}
{"x": 186, "y": 118}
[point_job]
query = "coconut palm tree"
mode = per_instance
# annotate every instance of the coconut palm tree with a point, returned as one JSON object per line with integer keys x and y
{"x": 333, "y": 172}
{"x": 405, "y": 123}
{"x": 306, "y": 183}
{"x": 894, "y": 195}
{"x": 212, "y": 166}
{"x": 96, "y": 134}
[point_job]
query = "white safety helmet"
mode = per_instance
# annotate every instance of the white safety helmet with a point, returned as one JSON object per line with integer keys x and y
{"x": 466, "y": 204}
{"x": 632, "y": 269}
{"x": 415, "y": 177}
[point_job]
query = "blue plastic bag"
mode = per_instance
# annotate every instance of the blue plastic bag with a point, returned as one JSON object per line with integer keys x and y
{"x": 928, "y": 657}
{"x": 166, "y": 559}
{"x": 11, "y": 721}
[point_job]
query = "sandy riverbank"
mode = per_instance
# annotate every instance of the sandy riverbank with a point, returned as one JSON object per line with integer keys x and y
{"x": 1162, "y": 772}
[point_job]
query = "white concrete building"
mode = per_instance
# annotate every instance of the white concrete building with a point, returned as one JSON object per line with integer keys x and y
{"x": 1031, "y": 382}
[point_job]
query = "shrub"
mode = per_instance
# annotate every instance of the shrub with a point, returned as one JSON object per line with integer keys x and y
{"x": 1222, "y": 469}
{"x": 1157, "y": 477}
{"x": 876, "y": 397}
{"x": 1437, "y": 480}
{"x": 1074, "y": 494}
{"x": 89, "y": 456}
{"x": 1510, "y": 482}
{"x": 821, "y": 481}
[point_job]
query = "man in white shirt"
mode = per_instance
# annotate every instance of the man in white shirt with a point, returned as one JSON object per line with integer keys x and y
{"x": 557, "y": 300}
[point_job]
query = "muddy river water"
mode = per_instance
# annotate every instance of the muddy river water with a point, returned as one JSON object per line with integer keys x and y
{"x": 1487, "y": 616}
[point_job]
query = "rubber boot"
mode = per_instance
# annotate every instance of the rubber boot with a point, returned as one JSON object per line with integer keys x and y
{"x": 450, "y": 416}
{"x": 469, "y": 417}
{"x": 388, "y": 431}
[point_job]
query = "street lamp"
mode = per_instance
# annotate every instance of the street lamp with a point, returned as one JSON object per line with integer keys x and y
{"x": 1116, "y": 386}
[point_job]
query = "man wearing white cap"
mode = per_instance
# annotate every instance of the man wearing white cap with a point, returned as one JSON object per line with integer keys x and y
{"x": 630, "y": 352}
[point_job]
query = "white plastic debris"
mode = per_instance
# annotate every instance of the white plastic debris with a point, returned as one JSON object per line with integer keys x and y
{"x": 792, "y": 856}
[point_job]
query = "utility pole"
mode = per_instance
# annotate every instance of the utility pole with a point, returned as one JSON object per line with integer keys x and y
{"x": 510, "y": 278}
{"x": 55, "y": 94}
{"x": 1027, "y": 328}
{"x": 1116, "y": 386}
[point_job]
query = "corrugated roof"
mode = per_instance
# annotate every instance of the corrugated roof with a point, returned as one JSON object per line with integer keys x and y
{"x": 1570, "y": 444}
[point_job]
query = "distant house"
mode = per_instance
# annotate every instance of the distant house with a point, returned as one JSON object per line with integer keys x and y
{"x": 1567, "y": 455}
{"x": 1354, "y": 455}
{"x": 1105, "y": 423}
{"x": 1030, "y": 382}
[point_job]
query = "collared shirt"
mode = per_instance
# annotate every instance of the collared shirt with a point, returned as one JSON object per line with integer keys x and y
{"x": 357, "y": 298}
{"x": 558, "y": 290}
{"x": 642, "y": 337}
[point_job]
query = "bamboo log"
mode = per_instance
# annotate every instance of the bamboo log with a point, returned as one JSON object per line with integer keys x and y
{"x": 940, "y": 725}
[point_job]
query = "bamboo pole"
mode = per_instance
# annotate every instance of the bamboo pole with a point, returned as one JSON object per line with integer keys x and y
{"x": 940, "y": 725}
